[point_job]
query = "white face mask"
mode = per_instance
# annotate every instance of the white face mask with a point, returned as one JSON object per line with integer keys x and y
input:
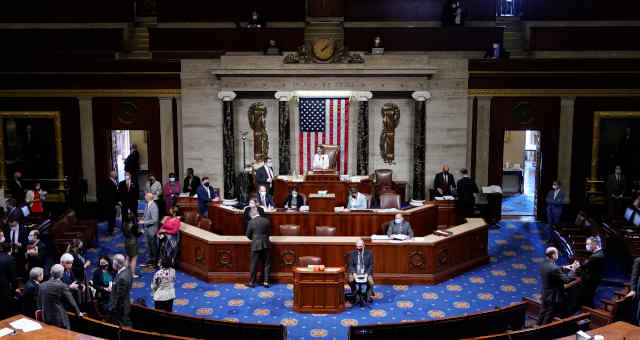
{"x": 262, "y": 193}
{"x": 252, "y": 205}
{"x": 555, "y": 187}
{"x": 270, "y": 164}
{"x": 171, "y": 179}
{"x": 398, "y": 221}
{"x": 127, "y": 177}
{"x": 293, "y": 194}
{"x": 255, "y": 17}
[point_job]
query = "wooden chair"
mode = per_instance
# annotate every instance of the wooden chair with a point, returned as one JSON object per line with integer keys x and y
{"x": 307, "y": 260}
{"x": 610, "y": 311}
{"x": 325, "y": 231}
{"x": 205, "y": 223}
{"x": 289, "y": 230}
{"x": 191, "y": 217}
{"x": 389, "y": 200}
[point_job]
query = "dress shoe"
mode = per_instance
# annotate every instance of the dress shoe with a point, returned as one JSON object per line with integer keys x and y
{"x": 251, "y": 285}
{"x": 266, "y": 285}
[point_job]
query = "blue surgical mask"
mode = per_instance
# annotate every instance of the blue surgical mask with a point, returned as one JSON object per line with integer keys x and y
{"x": 586, "y": 246}
{"x": 398, "y": 221}
{"x": 31, "y": 239}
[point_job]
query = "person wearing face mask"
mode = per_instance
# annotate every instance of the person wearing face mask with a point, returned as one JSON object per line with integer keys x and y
{"x": 35, "y": 199}
{"x": 616, "y": 188}
{"x": 258, "y": 231}
{"x": 553, "y": 280}
{"x": 30, "y": 292}
{"x": 256, "y": 21}
{"x": 132, "y": 163}
{"x": 253, "y": 204}
{"x": 294, "y": 200}
{"x": 66, "y": 261}
{"x": 591, "y": 272}
{"x": 109, "y": 200}
{"x": 356, "y": 199}
{"x": 444, "y": 183}
{"x": 171, "y": 191}
{"x": 191, "y": 182}
{"x": 102, "y": 277}
{"x": 264, "y": 199}
{"x": 155, "y": 187}
{"x": 555, "y": 197}
{"x": 399, "y": 227}
{"x": 18, "y": 238}
{"x": 36, "y": 251}
{"x": 128, "y": 193}
{"x": 265, "y": 176}
{"x": 205, "y": 194}
{"x": 79, "y": 271}
{"x": 120, "y": 300}
{"x": 360, "y": 262}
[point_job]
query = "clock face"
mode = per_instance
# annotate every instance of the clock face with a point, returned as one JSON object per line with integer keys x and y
{"x": 323, "y": 49}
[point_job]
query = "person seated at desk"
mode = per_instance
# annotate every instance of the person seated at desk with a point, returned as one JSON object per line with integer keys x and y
{"x": 444, "y": 183}
{"x": 399, "y": 227}
{"x": 294, "y": 200}
{"x": 253, "y": 203}
{"x": 205, "y": 194}
{"x": 356, "y": 199}
{"x": 265, "y": 200}
{"x": 360, "y": 262}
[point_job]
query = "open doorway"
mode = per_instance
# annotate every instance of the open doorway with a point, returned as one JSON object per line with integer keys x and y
{"x": 521, "y": 172}
{"x": 121, "y": 142}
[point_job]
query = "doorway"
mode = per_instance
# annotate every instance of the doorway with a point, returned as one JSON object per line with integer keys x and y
{"x": 521, "y": 172}
{"x": 121, "y": 142}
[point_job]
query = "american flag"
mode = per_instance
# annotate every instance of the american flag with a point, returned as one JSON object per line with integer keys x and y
{"x": 323, "y": 121}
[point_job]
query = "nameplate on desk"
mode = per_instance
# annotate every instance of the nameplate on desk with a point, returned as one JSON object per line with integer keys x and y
{"x": 442, "y": 233}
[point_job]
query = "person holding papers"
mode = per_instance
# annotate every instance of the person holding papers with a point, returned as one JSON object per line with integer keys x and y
{"x": 356, "y": 199}
{"x": 399, "y": 228}
{"x": 360, "y": 263}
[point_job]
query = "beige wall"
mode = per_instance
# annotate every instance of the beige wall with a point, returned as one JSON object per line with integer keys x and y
{"x": 514, "y": 149}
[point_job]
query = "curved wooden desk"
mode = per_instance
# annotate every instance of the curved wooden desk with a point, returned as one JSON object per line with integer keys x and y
{"x": 424, "y": 260}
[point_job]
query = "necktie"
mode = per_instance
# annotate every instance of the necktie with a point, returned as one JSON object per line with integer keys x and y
{"x": 14, "y": 234}
{"x": 445, "y": 178}
{"x": 618, "y": 179}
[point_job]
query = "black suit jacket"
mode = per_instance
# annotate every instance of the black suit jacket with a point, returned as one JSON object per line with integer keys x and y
{"x": 258, "y": 231}
{"x": 121, "y": 297}
{"x": 39, "y": 259}
{"x": 593, "y": 269}
{"x": 466, "y": 188}
{"x": 268, "y": 201}
{"x": 132, "y": 163}
{"x": 30, "y": 298}
{"x": 635, "y": 273}
{"x": 402, "y": 228}
{"x": 367, "y": 259}
{"x": 109, "y": 197}
{"x": 553, "y": 281}
{"x": 289, "y": 199}
{"x": 615, "y": 188}
{"x": 54, "y": 295}
{"x": 438, "y": 182}
{"x": 17, "y": 191}
{"x": 23, "y": 238}
{"x": 195, "y": 183}
{"x": 129, "y": 198}
{"x": 246, "y": 217}
{"x": 14, "y": 214}
{"x": 262, "y": 176}
{"x": 7, "y": 276}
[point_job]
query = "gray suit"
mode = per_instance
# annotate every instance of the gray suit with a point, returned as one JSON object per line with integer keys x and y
{"x": 402, "y": 228}
{"x": 258, "y": 231}
{"x": 151, "y": 225}
{"x": 121, "y": 298}
{"x": 54, "y": 295}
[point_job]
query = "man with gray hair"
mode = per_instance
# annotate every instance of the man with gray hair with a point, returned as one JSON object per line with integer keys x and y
{"x": 553, "y": 280}
{"x": 54, "y": 295}
{"x": 30, "y": 292}
{"x": 150, "y": 224}
{"x": 121, "y": 292}
{"x": 258, "y": 231}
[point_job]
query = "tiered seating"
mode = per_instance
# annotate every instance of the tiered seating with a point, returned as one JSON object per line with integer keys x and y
{"x": 620, "y": 308}
{"x": 65, "y": 229}
{"x": 576, "y": 234}
{"x": 556, "y": 329}
{"x": 106, "y": 330}
{"x": 470, "y": 325}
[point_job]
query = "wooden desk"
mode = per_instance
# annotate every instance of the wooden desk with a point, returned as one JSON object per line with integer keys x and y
{"x": 339, "y": 188}
{"x": 47, "y": 331}
{"x": 615, "y": 331}
{"x": 447, "y": 213}
{"x": 319, "y": 203}
{"x": 318, "y": 292}
{"x": 424, "y": 260}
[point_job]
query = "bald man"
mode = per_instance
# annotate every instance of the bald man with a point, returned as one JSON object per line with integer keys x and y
{"x": 553, "y": 280}
{"x": 150, "y": 222}
{"x": 444, "y": 183}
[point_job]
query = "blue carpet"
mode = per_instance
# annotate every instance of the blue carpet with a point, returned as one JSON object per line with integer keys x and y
{"x": 518, "y": 205}
{"x": 515, "y": 249}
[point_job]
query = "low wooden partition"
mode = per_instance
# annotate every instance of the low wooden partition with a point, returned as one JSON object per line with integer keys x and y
{"x": 424, "y": 260}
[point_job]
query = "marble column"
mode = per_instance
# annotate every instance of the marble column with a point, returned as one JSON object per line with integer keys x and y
{"x": 482, "y": 141}
{"x": 565, "y": 145}
{"x": 87, "y": 149}
{"x": 284, "y": 133}
{"x": 419, "y": 143}
{"x": 228, "y": 152}
{"x": 363, "y": 132}
{"x": 166, "y": 134}
{"x": 180, "y": 148}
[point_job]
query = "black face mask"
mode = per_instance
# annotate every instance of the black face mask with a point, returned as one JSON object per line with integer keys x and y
{"x": 104, "y": 266}
{"x": 206, "y": 184}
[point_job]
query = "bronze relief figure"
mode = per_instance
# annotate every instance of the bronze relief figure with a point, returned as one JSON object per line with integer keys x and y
{"x": 257, "y": 121}
{"x": 390, "y": 119}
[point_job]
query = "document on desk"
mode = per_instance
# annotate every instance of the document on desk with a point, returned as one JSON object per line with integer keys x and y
{"x": 26, "y": 325}
{"x": 331, "y": 269}
{"x": 375, "y": 237}
{"x": 5, "y": 331}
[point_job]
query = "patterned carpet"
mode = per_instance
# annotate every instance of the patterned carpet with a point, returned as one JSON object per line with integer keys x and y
{"x": 515, "y": 249}
{"x": 518, "y": 205}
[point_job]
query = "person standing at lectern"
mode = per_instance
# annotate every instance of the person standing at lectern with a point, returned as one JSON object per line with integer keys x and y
{"x": 399, "y": 227}
{"x": 265, "y": 200}
{"x": 264, "y": 175}
{"x": 258, "y": 232}
{"x": 466, "y": 188}
{"x": 293, "y": 201}
{"x": 205, "y": 194}
{"x": 320, "y": 159}
{"x": 356, "y": 199}
{"x": 444, "y": 183}
{"x": 360, "y": 262}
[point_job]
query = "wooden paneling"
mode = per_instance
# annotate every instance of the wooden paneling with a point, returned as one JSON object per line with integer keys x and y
{"x": 581, "y": 10}
{"x": 318, "y": 292}
{"x": 424, "y": 39}
{"x": 325, "y": 8}
{"x": 585, "y": 38}
{"x": 234, "y": 11}
{"x": 413, "y": 10}
{"x": 61, "y": 41}
{"x": 525, "y": 65}
{"x": 66, "y": 11}
{"x": 223, "y": 39}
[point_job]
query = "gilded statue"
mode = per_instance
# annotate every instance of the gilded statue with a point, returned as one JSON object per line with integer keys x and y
{"x": 390, "y": 119}
{"x": 257, "y": 121}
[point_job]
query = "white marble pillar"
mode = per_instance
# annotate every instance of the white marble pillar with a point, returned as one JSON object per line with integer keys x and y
{"x": 565, "y": 145}
{"x": 166, "y": 135}
{"x": 87, "y": 149}
{"x": 482, "y": 141}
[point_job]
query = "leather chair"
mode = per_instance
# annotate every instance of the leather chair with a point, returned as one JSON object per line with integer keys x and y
{"x": 205, "y": 223}
{"x": 88, "y": 227}
{"x": 307, "y": 260}
{"x": 389, "y": 200}
{"x": 369, "y": 199}
{"x": 333, "y": 151}
{"x": 191, "y": 217}
{"x": 384, "y": 181}
{"x": 289, "y": 230}
{"x": 325, "y": 231}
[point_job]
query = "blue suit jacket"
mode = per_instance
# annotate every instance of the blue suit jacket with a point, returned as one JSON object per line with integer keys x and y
{"x": 203, "y": 198}
{"x": 555, "y": 205}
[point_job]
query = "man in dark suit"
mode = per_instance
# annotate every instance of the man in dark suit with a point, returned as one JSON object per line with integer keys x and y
{"x": 466, "y": 188}
{"x": 264, "y": 199}
{"x": 16, "y": 189}
{"x": 18, "y": 237}
{"x": 616, "y": 188}
{"x": 30, "y": 292}
{"x": 444, "y": 183}
{"x": 555, "y": 197}
{"x": 54, "y": 295}
{"x": 258, "y": 232}
{"x": 205, "y": 194}
{"x": 128, "y": 193}
{"x": 399, "y": 227}
{"x": 360, "y": 262}
{"x": 592, "y": 271}
{"x": 191, "y": 183}
{"x": 36, "y": 251}
{"x": 7, "y": 276}
{"x": 253, "y": 203}
{"x": 132, "y": 163}
{"x": 553, "y": 281}
{"x": 294, "y": 200}
{"x": 121, "y": 292}
{"x": 265, "y": 176}
{"x": 13, "y": 212}
{"x": 109, "y": 200}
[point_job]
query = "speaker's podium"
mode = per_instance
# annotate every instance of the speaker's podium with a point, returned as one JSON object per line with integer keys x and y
{"x": 318, "y": 291}
{"x": 321, "y": 203}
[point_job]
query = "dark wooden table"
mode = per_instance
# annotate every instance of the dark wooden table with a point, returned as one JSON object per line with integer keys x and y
{"x": 318, "y": 292}
{"x": 320, "y": 203}
{"x": 615, "y": 331}
{"x": 47, "y": 331}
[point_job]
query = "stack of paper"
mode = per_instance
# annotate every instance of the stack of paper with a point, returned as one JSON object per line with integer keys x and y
{"x": 375, "y": 237}
{"x": 26, "y": 325}
{"x": 5, "y": 331}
